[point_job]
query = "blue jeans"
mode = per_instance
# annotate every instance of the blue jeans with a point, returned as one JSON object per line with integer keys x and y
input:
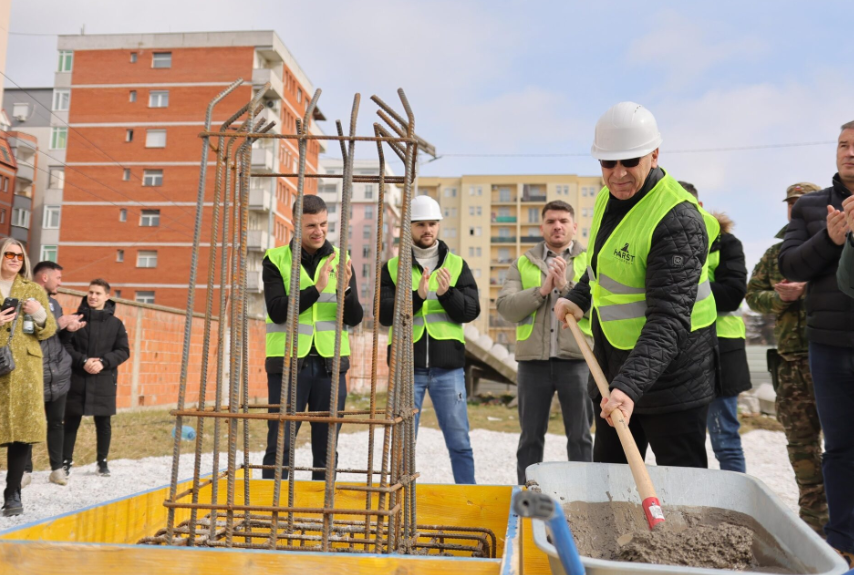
{"x": 833, "y": 382}
{"x": 447, "y": 389}
{"x": 723, "y": 431}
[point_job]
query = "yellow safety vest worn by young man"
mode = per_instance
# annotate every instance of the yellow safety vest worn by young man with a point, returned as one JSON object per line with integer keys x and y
{"x": 432, "y": 316}
{"x": 532, "y": 276}
{"x": 729, "y": 324}
{"x": 317, "y": 323}
{"x": 618, "y": 284}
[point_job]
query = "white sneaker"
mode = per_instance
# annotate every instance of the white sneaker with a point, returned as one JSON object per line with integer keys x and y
{"x": 58, "y": 476}
{"x": 26, "y": 479}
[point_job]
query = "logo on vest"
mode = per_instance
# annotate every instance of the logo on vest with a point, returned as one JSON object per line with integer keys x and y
{"x": 624, "y": 255}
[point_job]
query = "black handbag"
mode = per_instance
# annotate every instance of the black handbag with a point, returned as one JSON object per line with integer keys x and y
{"x": 7, "y": 361}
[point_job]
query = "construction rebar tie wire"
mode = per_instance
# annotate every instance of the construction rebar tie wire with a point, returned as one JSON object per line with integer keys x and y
{"x": 201, "y": 515}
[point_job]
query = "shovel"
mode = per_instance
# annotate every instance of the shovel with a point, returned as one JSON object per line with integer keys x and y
{"x": 649, "y": 501}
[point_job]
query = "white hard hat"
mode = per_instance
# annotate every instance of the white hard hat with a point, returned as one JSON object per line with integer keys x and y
{"x": 426, "y": 209}
{"x": 627, "y": 130}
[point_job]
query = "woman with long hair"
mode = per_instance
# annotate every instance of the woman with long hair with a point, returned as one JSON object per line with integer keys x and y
{"x": 22, "y": 418}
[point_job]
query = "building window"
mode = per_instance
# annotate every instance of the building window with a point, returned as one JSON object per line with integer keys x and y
{"x": 366, "y": 269}
{"x": 479, "y": 210}
{"x": 58, "y": 138}
{"x": 48, "y": 254}
{"x": 366, "y": 232}
{"x": 447, "y": 212}
{"x": 120, "y": 256}
{"x": 369, "y": 212}
{"x": 450, "y": 232}
{"x": 158, "y": 99}
{"x": 3, "y": 216}
{"x": 20, "y": 217}
{"x": 56, "y": 179}
{"x": 450, "y": 192}
{"x": 132, "y": 96}
{"x": 61, "y": 100}
{"x": 477, "y": 252}
{"x": 123, "y": 215}
{"x": 533, "y": 215}
{"x": 161, "y": 60}
{"x": 126, "y": 174}
{"x": 21, "y": 111}
{"x": 133, "y": 57}
{"x": 476, "y": 272}
{"x": 453, "y": 212}
{"x": 471, "y": 210}
{"x": 152, "y": 178}
{"x": 331, "y": 227}
{"x": 146, "y": 259}
{"x": 369, "y": 191}
{"x": 149, "y": 218}
{"x": 155, "y": 138}
{"x": 117, "y": 293}
{"x": 332, "y": 208}
{"x": 366, "y": 251}
{"x": 129, "y": 135}
{"x": 66, "y": 61}
{"x": 144, "y": 297}
{"x": 51, "y": 217}
{"x": 584, "y": 232}
{"x": 299, "y": 95}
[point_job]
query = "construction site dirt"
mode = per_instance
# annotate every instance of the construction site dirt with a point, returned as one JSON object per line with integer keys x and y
{"x": 691, "y": 536}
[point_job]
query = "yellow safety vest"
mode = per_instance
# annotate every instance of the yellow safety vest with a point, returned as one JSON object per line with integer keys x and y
{"x": 532, "y": 276}
{"x": 619, "y": 281}
{"x": 729, "y": 324}
{"x": 432, "y": 316}
{"x": 316, "y": 324}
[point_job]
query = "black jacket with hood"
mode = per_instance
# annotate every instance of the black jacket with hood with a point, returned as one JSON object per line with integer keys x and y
{"x": 461, "y": 303}
{"x": 671, "y": 368}
{"x": 104, "y": 337}
{"x": 56, "y": 359}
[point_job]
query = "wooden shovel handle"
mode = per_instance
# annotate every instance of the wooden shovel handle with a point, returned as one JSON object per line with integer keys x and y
{"x": 633, "y": 456}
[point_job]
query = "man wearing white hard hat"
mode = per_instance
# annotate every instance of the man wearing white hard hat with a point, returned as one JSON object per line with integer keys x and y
{"x": 445, "y": 298}
{"x": 653, "y": 312}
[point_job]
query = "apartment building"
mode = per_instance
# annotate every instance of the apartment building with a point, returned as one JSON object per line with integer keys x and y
{"x": 363, "y": 221}
{"x": 35, "y": 212}
{"x": 8, "y": 183}
{"x": 492, "y": 220}
{"x": 128, "y": 109}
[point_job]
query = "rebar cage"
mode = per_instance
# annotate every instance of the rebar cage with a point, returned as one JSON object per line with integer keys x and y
{"x": 386, "y": 521}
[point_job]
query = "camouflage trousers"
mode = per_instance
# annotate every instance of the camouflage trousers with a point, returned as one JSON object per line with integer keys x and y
{"x": 796, "y": 411}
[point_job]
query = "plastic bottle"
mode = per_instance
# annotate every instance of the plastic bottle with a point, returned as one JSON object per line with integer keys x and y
{"x": 29, "y": 325}
{"x": 187, "y": 433}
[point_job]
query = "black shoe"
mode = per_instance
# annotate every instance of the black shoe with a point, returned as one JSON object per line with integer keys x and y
{"x": 103, "y": 470}
{"x": 67, "y": 464}
{"x": 13, "y": 505}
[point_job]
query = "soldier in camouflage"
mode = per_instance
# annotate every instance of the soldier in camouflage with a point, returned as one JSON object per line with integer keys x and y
{"x": 769, "y": 292}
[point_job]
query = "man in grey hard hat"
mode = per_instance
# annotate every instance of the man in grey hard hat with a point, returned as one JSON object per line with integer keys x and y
{"x": 647, "y": 284}
{"x": 445, "y": 298}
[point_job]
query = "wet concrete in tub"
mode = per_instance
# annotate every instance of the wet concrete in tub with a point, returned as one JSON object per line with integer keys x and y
{"x": 691, "y": 536}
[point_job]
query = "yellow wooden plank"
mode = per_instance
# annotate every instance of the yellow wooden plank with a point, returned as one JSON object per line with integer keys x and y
{"x": 534, "y": 561}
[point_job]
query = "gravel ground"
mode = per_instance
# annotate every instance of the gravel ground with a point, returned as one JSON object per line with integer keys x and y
{"x": 495, "y": 463}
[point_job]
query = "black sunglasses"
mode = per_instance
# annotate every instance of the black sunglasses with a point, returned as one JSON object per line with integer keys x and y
{"x": 611, "y": 164}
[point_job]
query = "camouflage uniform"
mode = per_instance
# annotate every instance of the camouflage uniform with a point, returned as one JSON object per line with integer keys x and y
{"x": 795, "y": 402}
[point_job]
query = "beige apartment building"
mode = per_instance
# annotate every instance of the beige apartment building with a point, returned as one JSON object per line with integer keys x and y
{"x": 492, "y": 220}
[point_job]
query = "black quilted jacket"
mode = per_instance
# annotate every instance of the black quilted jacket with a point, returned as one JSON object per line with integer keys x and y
{"x": 809, "y": 255}
{"x": 670, "y": 368}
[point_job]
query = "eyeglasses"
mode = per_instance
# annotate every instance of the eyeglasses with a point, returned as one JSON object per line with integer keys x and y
{"x": 13, "y": 255}
{"x": 611, "y": 164}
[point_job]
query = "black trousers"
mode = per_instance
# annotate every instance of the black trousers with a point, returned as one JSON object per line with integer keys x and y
{"x": 16, "y": 460}
{"x": 103, "y": 434}
{"x": 314, "y": 390}
{"x": 55, "y": 413}
{"x": 677, "y": 439}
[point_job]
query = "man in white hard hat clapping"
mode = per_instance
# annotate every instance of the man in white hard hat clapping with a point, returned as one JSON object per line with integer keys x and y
{"x": 653, "y": 312}
{"x": 443, "y": 299}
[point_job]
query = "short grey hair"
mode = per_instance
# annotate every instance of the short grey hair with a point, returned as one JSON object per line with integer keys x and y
{"x": 847, "y": 126}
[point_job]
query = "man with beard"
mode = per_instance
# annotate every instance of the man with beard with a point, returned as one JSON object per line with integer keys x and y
{"x": 445, "y": 297}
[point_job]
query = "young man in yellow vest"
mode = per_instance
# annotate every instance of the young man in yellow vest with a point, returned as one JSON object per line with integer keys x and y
{"x": 318, "y": 304}
{"x": 549, "y": 358}
{"x": 653, "y": 312}
{"x": 728, "y": 277}
{"x": 445, "y": 298}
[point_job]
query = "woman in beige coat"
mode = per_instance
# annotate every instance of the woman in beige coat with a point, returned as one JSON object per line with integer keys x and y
{"x": 22, "y": 419}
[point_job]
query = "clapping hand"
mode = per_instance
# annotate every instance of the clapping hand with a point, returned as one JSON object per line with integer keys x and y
{"x": 837, "y": 225}
{"x": 848, "y": 208}
{"x": 790, "y": 291}
{"x": 557, "y": 269}
{"x": 444, "y": 280}
{"x": 424, "y": 284}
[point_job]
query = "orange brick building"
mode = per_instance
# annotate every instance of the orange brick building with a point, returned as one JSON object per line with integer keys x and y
{"x": 8, "y": 173}
{"x": 135, "y": 106}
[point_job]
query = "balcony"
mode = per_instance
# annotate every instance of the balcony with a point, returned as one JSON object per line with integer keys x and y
{"x": 531, "y": 239}
{"x": 260, "y": 199}
{"x": 261, "y": 76}
{"x": 262, "y": 160}
{"x": 533, "y": 193}
{"x": 253, "y": 281}
{"x": 503, "y": 239}
{"x": 259, "y": 240}
{"x": 503, "y": 219}
{"x": 26, "y": 172}
{"x": 502, "y": 261}
{"x": 271, "y": 115}
{"x": 497, "y": 281}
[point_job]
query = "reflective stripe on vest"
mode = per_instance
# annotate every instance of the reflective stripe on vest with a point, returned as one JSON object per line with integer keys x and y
{"x": 317, "y": 324}
{"x": 618, "y": 283}
{"x": 729, "y": 324}
{"x": 532, "y": 277}
{"x": 432, "y": 315}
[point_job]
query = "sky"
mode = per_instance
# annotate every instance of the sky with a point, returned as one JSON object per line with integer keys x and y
{"x": 512, "y": 87}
